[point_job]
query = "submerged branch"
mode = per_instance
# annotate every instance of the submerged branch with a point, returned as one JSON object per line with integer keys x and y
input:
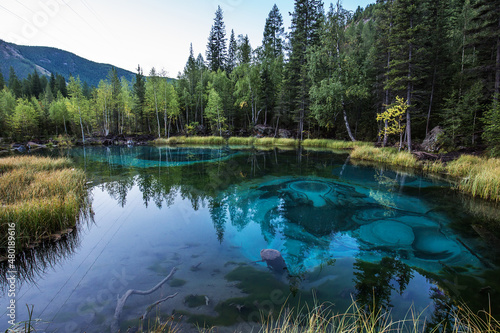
{"x": 121, "y": 301}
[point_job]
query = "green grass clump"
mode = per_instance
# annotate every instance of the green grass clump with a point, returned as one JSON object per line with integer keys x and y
{"x": 196, "y": 140}
{"x": 42, "y": 196}
{"x": 479, "y": 176}
{"x": 276, "y": 142}
{"x": 385, "y": 155}
{"x": 334, "y": 144}
{"x": 239, "y": 141}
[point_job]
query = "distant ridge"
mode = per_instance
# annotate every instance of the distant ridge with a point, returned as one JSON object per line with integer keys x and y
{"x": 46, "y": 60}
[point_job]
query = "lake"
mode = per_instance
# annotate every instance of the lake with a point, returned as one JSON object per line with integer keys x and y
{"x": 346, "y": 231}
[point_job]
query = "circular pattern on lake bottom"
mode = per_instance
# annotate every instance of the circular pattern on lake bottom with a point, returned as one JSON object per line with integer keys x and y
{"x": 387, "y": 233}
{"x": 431, "y": 244}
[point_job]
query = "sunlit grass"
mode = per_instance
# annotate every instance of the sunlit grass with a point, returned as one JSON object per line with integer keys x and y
{"x": 276, "y": 142}
{"x": 385, "y": 155}
{"x": 334, "y": 144}
{"x": 479, "y": 176}
{"x": 197, "y": 140}
{"x": 40, "y": 195}
{"x": 240, "y": 141}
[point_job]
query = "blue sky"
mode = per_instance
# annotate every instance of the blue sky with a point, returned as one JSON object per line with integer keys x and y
{"x": 127, "y": 33}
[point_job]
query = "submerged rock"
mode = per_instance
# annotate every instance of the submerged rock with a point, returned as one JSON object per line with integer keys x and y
{"x": 273, "y": 259}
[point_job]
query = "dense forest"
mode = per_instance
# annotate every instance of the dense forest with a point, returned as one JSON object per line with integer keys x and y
{"x": 388, "y": 73}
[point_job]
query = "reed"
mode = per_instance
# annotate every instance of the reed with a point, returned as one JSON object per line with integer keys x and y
{"x": 42, "y": 196}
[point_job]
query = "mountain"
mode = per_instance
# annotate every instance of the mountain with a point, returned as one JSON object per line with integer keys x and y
{"x": 46, "y": 60}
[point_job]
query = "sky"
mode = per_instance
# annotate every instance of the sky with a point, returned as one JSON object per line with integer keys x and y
{"x": 129, "y": 33}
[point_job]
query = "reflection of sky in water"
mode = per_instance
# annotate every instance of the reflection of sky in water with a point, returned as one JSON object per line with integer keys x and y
{"x": 344, "y": 231}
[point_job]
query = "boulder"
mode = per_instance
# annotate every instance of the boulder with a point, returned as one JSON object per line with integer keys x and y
{"x": 284, "y": 133}
{"x": 433, "y": 142}
{"x": 273, "y": 259}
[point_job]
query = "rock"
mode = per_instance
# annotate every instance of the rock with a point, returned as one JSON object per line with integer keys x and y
{"x": 261, "y": 131}
{"x": 284, "y": 133}
{"x": 433, "y": 142}
{"x": 273, "y": 259}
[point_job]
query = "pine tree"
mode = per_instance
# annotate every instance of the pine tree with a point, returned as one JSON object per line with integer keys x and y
{"x": 232, "y": 54}
{"x": 14, "y": 83}
{"x": 216, "y": 48}
{"x": 273, "y": 34}
{"x": 406, "y": 47}
{"x": 306, "y": 22}
{"x": 2, "y": 82}
{"x": 139, "y": 99}
{"x": 36, "y": 86}
{"x": 486, "y": 44}
{"x": 244, "y": 50}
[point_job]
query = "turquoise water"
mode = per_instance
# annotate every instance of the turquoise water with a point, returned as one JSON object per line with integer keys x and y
{"x": 345, "y": 231}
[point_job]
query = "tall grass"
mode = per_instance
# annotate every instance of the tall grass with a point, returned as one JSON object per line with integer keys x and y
{"x": 276, "y": 142}
{"x": 357, "y": 319}
{"x": 42, "y": 196}
{"x": 334, "y": 144}
{"x": 197, "y": 140}
{"x": 239, "y": 141}
{"x": 386, "y": 155}
{"x": 477, "y": 176}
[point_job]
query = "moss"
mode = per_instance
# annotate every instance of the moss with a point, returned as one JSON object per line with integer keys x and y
{"x": 176, "y": 282}
{"x": 194, "y": 301}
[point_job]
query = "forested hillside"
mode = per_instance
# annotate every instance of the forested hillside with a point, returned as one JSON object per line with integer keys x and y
{"x": 388, "y": 73}
{"x": 46, "y": 60}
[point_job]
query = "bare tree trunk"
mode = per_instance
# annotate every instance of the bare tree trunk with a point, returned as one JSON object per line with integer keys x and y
{"x": 347, "y": 123}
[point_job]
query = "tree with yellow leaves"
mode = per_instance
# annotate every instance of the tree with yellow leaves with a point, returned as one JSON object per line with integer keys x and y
{"x": 394, "y": 115}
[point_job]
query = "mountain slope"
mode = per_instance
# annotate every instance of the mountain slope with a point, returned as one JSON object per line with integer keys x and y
{"x": 46, "y": 60}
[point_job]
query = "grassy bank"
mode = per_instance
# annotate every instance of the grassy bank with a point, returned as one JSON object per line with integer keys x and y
{"x": 323, "y": 319}
{"x": 334, "y": 144}
{"x": 41, "y": 196}
{"x": 477, "y": 176}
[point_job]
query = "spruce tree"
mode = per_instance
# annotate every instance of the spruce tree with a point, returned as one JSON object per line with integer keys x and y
{"x": 306, "y": 22}
{"x": 274, "y": 33}
{"x": 216, "y": 47}
{"x": 140, "y": 99}
{"x": 14, "y": 83}
{"x": 232, "y": 54}
{"x": 2, "y": 82}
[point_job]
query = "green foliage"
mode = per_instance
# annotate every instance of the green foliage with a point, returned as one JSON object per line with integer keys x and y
{"x": 461, "y": 114}
{"x": 215, "y": 112}
{"x": 491, "y": 132}
{"x": 24, "y": 121}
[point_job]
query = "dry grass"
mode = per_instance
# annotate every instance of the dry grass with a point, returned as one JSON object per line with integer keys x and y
{"x": 357, "y": 319}
{"x": 40, "y": 195}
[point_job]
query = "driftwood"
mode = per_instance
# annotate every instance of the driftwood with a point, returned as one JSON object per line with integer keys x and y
{"x": 149, "y": 308}
{"x": 121, "y": 301}
{"x": 421, "y": 155}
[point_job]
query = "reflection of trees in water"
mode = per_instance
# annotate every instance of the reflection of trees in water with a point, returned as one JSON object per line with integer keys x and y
{"x": 374, "y": 282}
{"x": 33, "y": 263}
